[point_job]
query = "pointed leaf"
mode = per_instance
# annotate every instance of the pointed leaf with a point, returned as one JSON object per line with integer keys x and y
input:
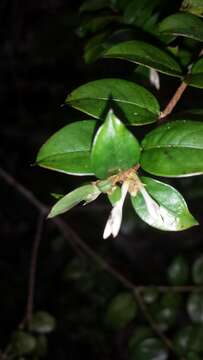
{"x": 68, "y": 150}
{"x": 175, "y": 215}
{"x": 83, "y": 193}
{"x": 182, "y": 24}
{"x": 145, "y": 54}
{"x": 114, "y": 148}
{"x": 136, "y": 105}
{"x": 174, "y": 149}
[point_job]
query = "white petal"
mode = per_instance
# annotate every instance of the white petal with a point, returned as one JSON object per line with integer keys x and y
{"x": 152, "y": 206}
{"x": 114, "y": 221}
{"x": 154, "y": 78}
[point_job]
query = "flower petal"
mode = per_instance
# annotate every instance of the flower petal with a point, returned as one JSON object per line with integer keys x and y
{"x": 114, "y": 221}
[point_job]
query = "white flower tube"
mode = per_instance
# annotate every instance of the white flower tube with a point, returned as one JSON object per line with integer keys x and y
{"x": 114, "y": 221}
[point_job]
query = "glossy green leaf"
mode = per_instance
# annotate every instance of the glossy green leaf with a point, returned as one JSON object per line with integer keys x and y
{"x": 193, "y": 6}
{"x": 174, "y": 149}
{"x": 195, "y": 78}
{"x": 173, "y": 212}
{"x": 145, "y": 54}
{"x": 114, "y": 148}
{"x": 195, "y": 307}
{"x": 85, "y": 193}
{"x": 42, "y": 322}
{"x": 68, "y": 150}
{"x": 189, "y": 338}
{"x": 150, "y": 349}
{"x": 178, "y": 271}
{"x": 131, "y": 101}
{"x": 121, "y": 311}
{"x": 197, "y": 271}
{"x": 182, "y": 24}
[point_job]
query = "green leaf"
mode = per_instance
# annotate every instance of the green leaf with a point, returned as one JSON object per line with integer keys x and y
{"x": 139, "y": 12}
{"x": 92, "y": 5}
{"x": 195, "y": 307}
{"x": 83, "y": 193}
{"x": 42, "y": 322}
{"x": 192, "y": 356}
{"x": 145, "y": 54}
{"x": 22, "y": 343}
{"x": 174, "y": 214}
{"x": 182, "y": 24}
{"x": 68, "y": 150}
{"x": 140, "y": 334}
{"x": 136, "y": 104}
{"x": 121, "y": 311}
{"x": 166, "y": 310}
{"x": 197, "y": 271}
{"x": 95, "y": 24}
{"x": 189, "y": 338}
{"x": 195, "y": 78}
{"x": 114, "y": 148}
{"x": 193, "y": 6}
{"x": 178, "y": 271}
{"x": 150, "y": 295}
{"x": 150, "y": 349}
{"x": 115, "y": 195}
{"x": 174, "y": 149}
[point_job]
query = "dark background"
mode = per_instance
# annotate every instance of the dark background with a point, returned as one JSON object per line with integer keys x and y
{"x": 41, "y": 62}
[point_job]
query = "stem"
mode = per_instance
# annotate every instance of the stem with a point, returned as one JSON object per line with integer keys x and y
{"x": 32, "y": 275}
{"x": 175, "y": 98}
{"x": 172, "y": 103}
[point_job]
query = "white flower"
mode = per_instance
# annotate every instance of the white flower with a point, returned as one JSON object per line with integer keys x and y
{"x": 114, "y": 221}
{"x": 154, "y": 78}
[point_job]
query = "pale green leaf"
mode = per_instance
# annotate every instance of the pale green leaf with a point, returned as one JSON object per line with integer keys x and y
{"x": 85, "y": 193}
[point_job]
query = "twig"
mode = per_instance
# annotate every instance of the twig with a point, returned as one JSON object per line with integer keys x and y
{"x": 68, "y": 233}
{"x": 173, "y": 101}
{"x": 176, "y": 97}
{"x": 175, "y": 289}
{"x": 32, "y": 274}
